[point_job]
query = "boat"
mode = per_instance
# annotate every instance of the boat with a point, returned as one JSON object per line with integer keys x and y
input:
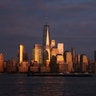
{"x": 60, "y": 74}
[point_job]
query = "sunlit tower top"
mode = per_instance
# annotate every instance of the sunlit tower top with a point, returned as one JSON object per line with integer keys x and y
{"x": 46, "y": 43}
{"x": 46, "y": 34}
{"x": 21, "y": 50}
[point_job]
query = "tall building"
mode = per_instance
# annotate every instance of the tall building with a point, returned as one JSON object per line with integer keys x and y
{"x": 68, "y": 60}
{"x": 53, "y": 43}
{"x": 53, "y": 51}
{"x": 95, "y": 56}
{"x": 61, "y": 48}
{"x": 84, "y": 63}
{"x": 21, "y": 53}
{"x": 95, "y": 61}
{"x": 73, "y": 54}
{"x": 60, "y": 59}
{"x": 1, "y": 62}
{"x": 78, "y": 58}
{"x": 46, "y": 36}
{"x": 46, "y": 44}
{"x": 77, "y": 66}
{"x": 37, "y": 53}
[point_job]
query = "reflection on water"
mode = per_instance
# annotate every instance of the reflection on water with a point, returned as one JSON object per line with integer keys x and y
{"x": 52, "y": 86}
{"x": 21, "y": 85}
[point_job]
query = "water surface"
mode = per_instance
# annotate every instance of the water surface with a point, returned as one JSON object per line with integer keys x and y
{"x": 22, "y": 85}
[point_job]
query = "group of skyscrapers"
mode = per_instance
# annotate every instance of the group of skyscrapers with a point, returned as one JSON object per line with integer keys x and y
{"x": 48, "y": 56}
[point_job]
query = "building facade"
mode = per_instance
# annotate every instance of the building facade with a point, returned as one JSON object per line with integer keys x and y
{"x": 21, "y": 53}
{"x": 46, "y": 44}
{"x": 37, "y": 53}
{"x": 1, "y": 62}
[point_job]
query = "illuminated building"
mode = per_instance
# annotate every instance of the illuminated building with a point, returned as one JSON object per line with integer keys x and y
{"x": 77, "y": 66}
{"x": 1, "y": 62}
{"x": 13, "y": 65}
{"x": 60, "y": 59}
{"x": 95, "y": 61}
{"x": 53, "y": 43}
{"x": 10, "y": 65}
{"x": 23, "y": 60}
{"x": 61, "y": 48}
{"x": 73, "y": 54}
{"x": 46, "y": 44}
{"x": 37, "y": 53}
{"x": 84, "y": 62}
{"x": 34, "y": 69}
{"x": 60, "y": 62}
{"x": 24, "y": 67}
{"x": 54, "y": 51}
{"x": 48, "y": 47}
{"x": 68, "y": 60}
{"x": 21, "y": 53}
{"x": 45, "y": 69}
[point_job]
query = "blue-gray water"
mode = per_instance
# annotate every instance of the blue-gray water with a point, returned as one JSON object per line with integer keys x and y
{"x": 21, "y": 85}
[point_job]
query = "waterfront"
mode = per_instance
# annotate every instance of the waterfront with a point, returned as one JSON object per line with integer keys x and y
{"x": 22, "y": 85}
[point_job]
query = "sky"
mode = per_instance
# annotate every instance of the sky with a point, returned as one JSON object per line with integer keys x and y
{"x": 72, "y": 22}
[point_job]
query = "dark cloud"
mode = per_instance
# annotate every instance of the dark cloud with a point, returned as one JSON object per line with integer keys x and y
{"x": 71, "y": 21}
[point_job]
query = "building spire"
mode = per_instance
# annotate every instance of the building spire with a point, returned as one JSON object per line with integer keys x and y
{"x": 46, "y": 20}
{"x": 47, "y": 37}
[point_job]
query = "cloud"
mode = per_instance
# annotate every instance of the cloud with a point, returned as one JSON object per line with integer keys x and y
{"x": 23, "y": 20}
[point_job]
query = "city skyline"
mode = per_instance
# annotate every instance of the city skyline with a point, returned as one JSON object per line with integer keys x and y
{"x": 72, "y": 23}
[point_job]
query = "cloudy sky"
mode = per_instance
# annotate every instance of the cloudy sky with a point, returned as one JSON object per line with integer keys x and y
{"x": 72, "y": 22}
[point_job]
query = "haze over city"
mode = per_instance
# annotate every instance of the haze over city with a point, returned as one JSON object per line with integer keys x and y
{"x": 72, "y": 22}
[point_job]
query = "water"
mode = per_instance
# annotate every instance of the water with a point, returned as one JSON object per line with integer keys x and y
{"x": 22, "y": 85}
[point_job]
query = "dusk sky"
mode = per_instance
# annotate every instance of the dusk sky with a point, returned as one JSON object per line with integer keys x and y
{"x": 72, "y": 22}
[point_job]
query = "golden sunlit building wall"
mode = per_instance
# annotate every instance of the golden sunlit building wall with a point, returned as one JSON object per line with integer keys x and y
{"x": 24, "y": 67}
{"x": 84, "y": 61}
{"x": 45, "y": 69}
{"x": 77, "y": 66}
{"x": 37, "y": 53}
{"x": 60, "y": 59}
{"x": 1, "y": 62}
{"x": 48, "y": 47}
{"x": 68, "y": 60}
{"x": 21, "y": 53}
{"x": 53, "y": 43}
{"x": 60, "y": 48}
{"x": 46, "y": 44}
{"x": 60, "y": 62}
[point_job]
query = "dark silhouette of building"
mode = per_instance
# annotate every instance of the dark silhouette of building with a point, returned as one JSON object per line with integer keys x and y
{"x": 54, "y": 68}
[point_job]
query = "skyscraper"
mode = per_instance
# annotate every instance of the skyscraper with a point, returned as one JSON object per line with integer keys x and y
{"x": 84, "y": 62}
{"x": 46, "y": 36}
{"x": 37, "y": 53}
{"x": 53, "y": 43}
{"x": 1, "y": 62}
{"x": 46, "y": 43}
{"x": 73, "y": 54}
{"x": 21, "y": 53}
{"x": 68, "y": 60}
{"x": 61, "y": 48}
